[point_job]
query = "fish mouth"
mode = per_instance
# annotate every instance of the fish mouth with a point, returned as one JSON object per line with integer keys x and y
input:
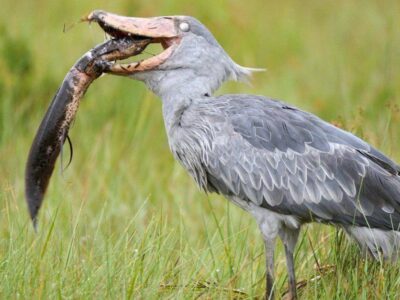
{"x": 160, "y": 30}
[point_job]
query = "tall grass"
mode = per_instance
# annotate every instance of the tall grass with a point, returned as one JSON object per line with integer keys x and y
{"x": 125, "y": 220}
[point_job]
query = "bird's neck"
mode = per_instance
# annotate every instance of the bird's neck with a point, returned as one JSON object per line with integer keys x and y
{"x": 178, "y": 89}
{"x": 173, "y": 107}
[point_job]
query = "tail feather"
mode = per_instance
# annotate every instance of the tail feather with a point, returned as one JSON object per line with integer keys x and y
{"x": 378, "y": 243}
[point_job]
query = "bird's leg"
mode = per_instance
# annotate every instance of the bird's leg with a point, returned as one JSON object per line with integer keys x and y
{"x": 291, "y": 273}
{"x": 289, "y": 238}
{"x": 269, "y": 263}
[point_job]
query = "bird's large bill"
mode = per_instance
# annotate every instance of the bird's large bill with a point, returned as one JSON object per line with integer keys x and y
{"x": 53, "y": 130}
{"x": 160, "y": 30}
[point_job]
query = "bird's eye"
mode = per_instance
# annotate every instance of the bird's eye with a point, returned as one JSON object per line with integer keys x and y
{"x": 184, "y": 26}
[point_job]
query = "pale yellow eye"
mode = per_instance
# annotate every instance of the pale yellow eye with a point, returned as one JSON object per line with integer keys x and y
{"x": 184, "y": 26}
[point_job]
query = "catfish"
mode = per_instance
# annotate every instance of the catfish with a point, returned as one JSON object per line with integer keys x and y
{"x": 53, "y": 130}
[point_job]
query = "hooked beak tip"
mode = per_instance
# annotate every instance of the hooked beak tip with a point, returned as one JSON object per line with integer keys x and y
{"x": 94, "y": 16}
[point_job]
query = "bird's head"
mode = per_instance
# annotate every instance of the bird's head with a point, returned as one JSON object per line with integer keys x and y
{"x": 192, "y": 61}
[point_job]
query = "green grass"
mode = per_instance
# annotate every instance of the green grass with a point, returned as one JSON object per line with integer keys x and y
{"x": 125, "y": 220}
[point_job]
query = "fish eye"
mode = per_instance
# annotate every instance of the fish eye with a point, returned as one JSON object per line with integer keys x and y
{"x": 184, "y": 26}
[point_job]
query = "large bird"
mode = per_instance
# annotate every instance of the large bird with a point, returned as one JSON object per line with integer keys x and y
{"x": 285, "y": 166}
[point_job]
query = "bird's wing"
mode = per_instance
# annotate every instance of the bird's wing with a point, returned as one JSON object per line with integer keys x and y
{"x": 292, "y": 162}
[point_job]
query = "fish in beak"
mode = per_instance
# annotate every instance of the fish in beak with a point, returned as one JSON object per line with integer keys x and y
{"x": 130, "y": 36}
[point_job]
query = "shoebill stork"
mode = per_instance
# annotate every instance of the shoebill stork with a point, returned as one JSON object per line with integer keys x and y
{"x": 284, "y": 166}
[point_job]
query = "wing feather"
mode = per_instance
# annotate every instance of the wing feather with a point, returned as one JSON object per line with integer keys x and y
{"x": 291, "y": 162}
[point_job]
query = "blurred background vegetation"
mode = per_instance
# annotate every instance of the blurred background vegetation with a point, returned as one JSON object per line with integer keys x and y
{"x": 125, "y": 220}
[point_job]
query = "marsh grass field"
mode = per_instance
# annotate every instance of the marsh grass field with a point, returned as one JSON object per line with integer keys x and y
{"x": 125, "y": 221}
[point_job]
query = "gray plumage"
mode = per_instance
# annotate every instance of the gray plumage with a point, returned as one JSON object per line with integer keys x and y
{"x": 277, "y": 157}
{"x": 287, "y": 161}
